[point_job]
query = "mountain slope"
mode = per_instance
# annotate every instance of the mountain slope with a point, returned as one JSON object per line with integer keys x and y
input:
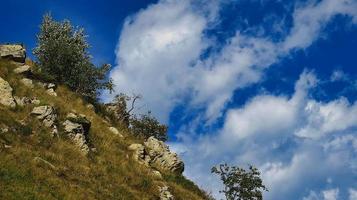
{"x": 37, "y": 162}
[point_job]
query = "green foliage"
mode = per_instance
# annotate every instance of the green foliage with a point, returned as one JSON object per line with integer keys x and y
{"x": 120, "y": 109}
{"x": 240, "y": 184}
{"x": 62, "y": 53}
{"x": 143, "y": 126}
{"x": 147, "y": 125}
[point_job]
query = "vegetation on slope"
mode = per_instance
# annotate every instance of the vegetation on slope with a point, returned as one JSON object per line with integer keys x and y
{"x": 35, "y": 165}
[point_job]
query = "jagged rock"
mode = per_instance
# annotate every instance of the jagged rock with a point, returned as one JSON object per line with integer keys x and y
{"x": 25, "y": 69}
{"x": 47, "y": 114}
{"x": 4, "y": 129}
{"x": 157, "y": 153}
{"x": 156, "y": 174}
{"x": 35, "y": 101}
{"x": 165, "y": 194}
{"x": 27, "y": 82}
{"x": 161, "y": 156}
{"x": 14, "y": 52}
{"x": 50, "y": 85}
{"x": 77, "y": 127}
{"x": 140, "y": 154}
{"x": 26, "y": 100}
{"x": 50, "y": 88}
{"x": 90, "y": 107}
{"x": 115, "y": 131}
{"x": 51, "y": 92}
{"x": 6, "y": 97}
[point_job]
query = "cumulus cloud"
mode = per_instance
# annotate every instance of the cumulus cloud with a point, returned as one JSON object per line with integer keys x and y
{"x": 330, "y": 194}
{"x": 352, "y": 194}
{"x": 162, "y": 55}
{"x": 267, "y": 132}
{"x": 155, "y": 49}
{"x": 160, "y": 48}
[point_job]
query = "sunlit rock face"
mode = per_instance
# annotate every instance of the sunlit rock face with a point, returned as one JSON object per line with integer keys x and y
{"x": 13, "y": 52}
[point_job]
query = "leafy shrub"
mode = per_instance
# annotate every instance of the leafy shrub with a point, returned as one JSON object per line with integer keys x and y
{"x": 240, "y": 184}
{"x": 147, "y": 125}
{"x": 62, "y": 53}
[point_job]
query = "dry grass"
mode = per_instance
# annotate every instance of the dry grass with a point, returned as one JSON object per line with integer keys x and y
{"x": 38, "y": 166}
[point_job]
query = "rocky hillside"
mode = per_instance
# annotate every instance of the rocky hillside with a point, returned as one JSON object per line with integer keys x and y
{"x": 55, "y": 145}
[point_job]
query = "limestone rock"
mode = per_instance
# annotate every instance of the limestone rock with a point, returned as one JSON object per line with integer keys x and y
{"x": 25, "y": 69}
{"x": 165, "y": 193}
{"x": 22, "y": 101}
{"x": 50, "y": 85}
{"x": 27, "y": 82}
{"x": 50, "y": 88}
{"x": 140, "y": 154}
{"x": 90, "y": 107}
{"x": 51, "y": 92}
{"x": 6, "y": 97}
{"x": 158, "y": 154}
{"x": 156, "y": 174}
{"x": 47, "y": 114}
{"x": 77, "y": 127}
{"x": 4, "y": 129}
{"x": 14, "y": 52}
{"x": 115, "y": 131}
{"x": 161, "y": 156}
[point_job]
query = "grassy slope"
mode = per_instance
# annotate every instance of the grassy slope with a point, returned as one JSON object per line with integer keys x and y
{"x": 109, "y": 173}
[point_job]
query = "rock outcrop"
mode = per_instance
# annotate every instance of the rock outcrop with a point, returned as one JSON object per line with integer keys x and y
{"x": 6, "y": 97}
{"x": 165, "y": 194}
{"x": 49, "y": 87}
{"x": 14, "y": 52}
{"x": 140, "y": 154}
{"x": 27, "y": 82}
{"x": 157, "y": 153}
{"x": 115, "y": 131}
{"x": 161, "y": 156}
{"x": 23, "y": 101}
{"x": 24, "y": 69}
{"x": 48, "y": 116}
{"x": 77, "y": 127}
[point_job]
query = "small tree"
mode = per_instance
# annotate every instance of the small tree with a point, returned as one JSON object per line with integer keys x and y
{"x": 240, "y": 184}
{"x": 120, "y": 109}
{"x": 62, "y": 54}
{"x": 147, "y": 126}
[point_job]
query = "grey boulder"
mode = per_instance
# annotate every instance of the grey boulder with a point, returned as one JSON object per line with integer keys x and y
{"x": 14, "y": 52}
{"x": 6, "y": 97}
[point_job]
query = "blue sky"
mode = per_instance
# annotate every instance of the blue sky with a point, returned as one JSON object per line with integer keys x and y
{"x": 270, "y": 83}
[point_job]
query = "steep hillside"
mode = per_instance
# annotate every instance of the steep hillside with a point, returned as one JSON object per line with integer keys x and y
{"x": 54, "y": 145}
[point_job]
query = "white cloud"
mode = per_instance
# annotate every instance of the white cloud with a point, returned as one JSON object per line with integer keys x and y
{"x": 155, "y": 51}
{"x": 159, "y": 56}
{"x": 159, "y": 53}
{"x": 352, "y": 194}
{"x": 327, "y": 118}
{"x": 338, "y": 75}
{"x": 310, "y": 18}
{"x": 331, "y": 194}
{"x": 266, "y": 132}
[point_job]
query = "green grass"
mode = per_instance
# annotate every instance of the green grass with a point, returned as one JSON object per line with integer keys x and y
{"x": 107, "y": 173}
